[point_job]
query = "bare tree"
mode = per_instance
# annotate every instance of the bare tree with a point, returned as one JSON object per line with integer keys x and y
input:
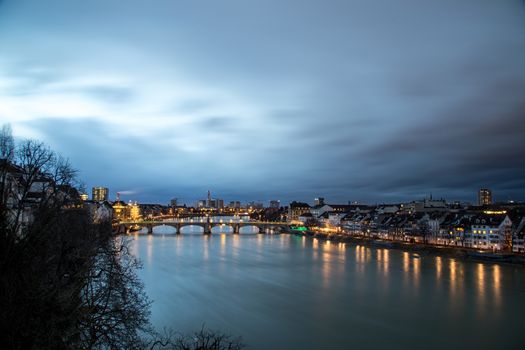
{"x": 204, "y": 339}
{"x": 7, "y": 149}
{"x": 115, "y": 309}
{"x": 7, "y": 143}
{"x": 65, "y": 281}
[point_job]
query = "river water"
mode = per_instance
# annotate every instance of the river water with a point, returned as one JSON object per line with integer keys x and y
{"x": 290, "y": 292}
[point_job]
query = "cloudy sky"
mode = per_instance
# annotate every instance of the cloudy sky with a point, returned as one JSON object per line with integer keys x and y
{"x": 373, "y": 101}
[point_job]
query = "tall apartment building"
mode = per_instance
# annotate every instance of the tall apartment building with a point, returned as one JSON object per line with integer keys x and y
{"x": 484, "y": 196}
{"x": 99, "y": 194}
{"x": 319, "y": 201}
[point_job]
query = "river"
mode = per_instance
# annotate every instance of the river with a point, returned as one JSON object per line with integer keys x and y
{"x": 290, "y": 292}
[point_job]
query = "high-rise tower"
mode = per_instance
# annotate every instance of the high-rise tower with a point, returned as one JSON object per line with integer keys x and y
{"x": 484, "y": 196}
{"x": 99, "y": 194}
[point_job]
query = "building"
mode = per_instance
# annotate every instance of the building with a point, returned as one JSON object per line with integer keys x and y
{"x": 99, "y": 194}
{"x": 388, "y": 209}
{"x": 489, "y": 231}
{"x": 153, "y": 210}
{"x": 518, "y": 236}
{"x": 319, "y": 201}
{"x": 173, "y": 202}
{"x": 255, "y": 205}
{"x": 320, "y": 209}
{"x": 208, "y": 201}
{"x": 123, "y": 211}
{"x": 12, "y": 196}
{"x": 119, "y": 210}
{"x": 426, "y": 205}
{"x": 134, "y": 211}
{"x": 23, "y": 194}
{"x": 484, "y": 197}
{"x": 518, "y": 240}
{"x": 211, "y": 203}
{"x": 275, "y": 204}
{"x": 296, "y": 209}
{"x": 342, "y": 208}
{"x": 306, "y": 218}
{"x": 84, "y": 196}
{"x": 235, "y": 205}
{"x": 99, "y": 211}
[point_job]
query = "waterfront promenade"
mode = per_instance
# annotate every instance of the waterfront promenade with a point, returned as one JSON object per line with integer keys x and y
{"x": 416, "y": 247}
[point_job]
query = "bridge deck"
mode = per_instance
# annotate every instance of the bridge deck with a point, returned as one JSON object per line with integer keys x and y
{"x": 145, "y": 222}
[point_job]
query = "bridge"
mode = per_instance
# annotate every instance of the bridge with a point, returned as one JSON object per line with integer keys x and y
{"x": 207, "y": 225}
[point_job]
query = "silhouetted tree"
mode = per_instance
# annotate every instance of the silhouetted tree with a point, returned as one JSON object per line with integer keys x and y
{"x": 424, "y": 231}
{"x": 65, "y": 282}
{"x": 204, "y": 339}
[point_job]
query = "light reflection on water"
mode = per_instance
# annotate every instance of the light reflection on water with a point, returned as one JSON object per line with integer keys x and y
{"x": 480, "y": 278}
{"x": 496, "y": 285}
{"x": 287, "y": 292}
{"x": 439, "y": 267}
{"x": 327, "y": 264}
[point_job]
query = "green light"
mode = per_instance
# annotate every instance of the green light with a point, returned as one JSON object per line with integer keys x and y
{"x": 299, "y": 228}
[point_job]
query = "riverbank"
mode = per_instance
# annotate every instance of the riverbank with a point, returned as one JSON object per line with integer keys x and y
{"x": 421, "y": 249}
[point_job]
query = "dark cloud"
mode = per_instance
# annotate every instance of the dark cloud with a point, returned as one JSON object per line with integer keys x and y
{"x": 375, "y": 101}
{"x": 477, "y": 143}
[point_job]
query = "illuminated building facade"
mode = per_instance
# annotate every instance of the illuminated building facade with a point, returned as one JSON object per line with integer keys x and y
{"x": 119, "y": 210}
{"x": 99, "y": 194}
{"x": 123, "y": 211}
{"x": 134, "y": 211}
{"x": 296, "y": 209}
{"x": 484, "y": 196}
{"x": 489, "y": 231}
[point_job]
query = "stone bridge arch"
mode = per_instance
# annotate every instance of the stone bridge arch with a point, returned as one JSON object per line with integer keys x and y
{"x": 205, "y": 227}
{"x": 243, "y": 228}
{"x": 230, "y": 226}
{"x": 172, "y": 226}
{"x": 149, "y": 226}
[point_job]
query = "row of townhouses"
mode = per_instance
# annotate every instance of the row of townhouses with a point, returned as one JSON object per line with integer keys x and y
{"x": 429, "y": 222}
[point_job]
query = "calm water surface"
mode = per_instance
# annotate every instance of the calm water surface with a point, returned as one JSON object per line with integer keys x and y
{"x": 289, "y": 292}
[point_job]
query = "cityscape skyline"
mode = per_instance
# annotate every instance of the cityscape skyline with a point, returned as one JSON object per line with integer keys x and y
{"x": 345, "y": 99}
{"x": 262, "y": 174}
{"x": 483, "y": 197}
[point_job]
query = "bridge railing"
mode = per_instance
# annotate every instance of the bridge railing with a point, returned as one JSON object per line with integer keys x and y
{"x": 156, "y": 222}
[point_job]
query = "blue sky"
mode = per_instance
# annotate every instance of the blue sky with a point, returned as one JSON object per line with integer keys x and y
{"x": 255, "y": 100}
